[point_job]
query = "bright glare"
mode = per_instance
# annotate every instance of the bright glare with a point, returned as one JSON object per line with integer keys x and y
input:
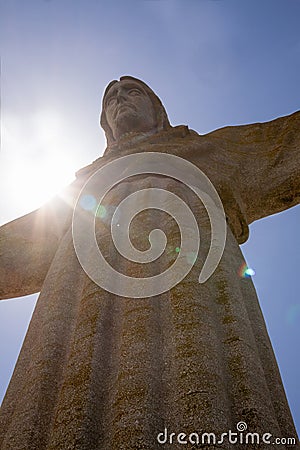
{"x": 36, "y": 162}
{"x": 249, "y": 272}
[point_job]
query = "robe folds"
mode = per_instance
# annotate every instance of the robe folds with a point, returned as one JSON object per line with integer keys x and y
{"x": 100, "y": 371}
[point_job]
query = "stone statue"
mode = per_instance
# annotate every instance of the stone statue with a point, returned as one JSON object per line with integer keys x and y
{"x": 101, "y": 371}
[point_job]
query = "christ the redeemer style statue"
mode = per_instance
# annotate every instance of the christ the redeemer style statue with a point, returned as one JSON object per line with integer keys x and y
{"x": 106, "y": 372}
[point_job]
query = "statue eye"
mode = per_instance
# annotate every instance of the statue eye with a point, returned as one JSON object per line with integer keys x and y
{"x": 110, "y": 100}
{"x": 134, "y": 92}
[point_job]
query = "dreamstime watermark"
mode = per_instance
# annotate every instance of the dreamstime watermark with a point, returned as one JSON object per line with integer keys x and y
{"x": 108, "y": 176}
{"x": 238, "y": 436}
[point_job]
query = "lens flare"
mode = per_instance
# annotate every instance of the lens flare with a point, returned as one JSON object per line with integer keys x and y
{"x": 101, "y": 212}
{"x": 88, "y": 202}
{"x": 245, "y": 271}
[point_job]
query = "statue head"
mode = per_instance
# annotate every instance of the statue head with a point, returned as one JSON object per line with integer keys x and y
{"x": 129, "y": 105}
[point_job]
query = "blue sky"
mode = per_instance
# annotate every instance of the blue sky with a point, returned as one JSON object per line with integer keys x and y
{"x": 213, "y": 63}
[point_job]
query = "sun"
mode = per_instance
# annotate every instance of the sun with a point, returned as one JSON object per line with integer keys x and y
{"x": 36, "y": 162}
{"x": 38, "y": 181}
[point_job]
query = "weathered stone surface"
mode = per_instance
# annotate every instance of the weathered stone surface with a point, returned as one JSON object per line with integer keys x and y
{"x": 98, "y": 371}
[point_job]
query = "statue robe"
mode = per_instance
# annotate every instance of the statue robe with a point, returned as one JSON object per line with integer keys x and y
{"x": 98, "y": 371}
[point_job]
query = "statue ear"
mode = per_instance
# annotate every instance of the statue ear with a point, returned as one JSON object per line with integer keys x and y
{"x": 162, "y": 119}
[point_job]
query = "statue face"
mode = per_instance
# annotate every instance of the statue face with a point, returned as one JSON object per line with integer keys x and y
{"x": 128, "y": 108}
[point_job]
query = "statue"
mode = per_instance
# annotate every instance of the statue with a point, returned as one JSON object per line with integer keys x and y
{"x": 102, "y": 371}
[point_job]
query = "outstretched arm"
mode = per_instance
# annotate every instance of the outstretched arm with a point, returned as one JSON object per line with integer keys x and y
{"x": 268, "y": 157}
{"x": 28, "y": 245}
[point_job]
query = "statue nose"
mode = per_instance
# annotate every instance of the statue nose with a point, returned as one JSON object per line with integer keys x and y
{"x": 120, "y": 96}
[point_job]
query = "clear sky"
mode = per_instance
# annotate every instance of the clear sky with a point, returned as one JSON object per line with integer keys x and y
{"x": 213, "y": 63}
